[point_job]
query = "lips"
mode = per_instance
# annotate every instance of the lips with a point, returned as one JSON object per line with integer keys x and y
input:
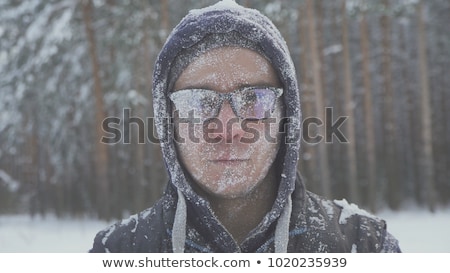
{"x": 229, "y": 161}
{"x": 229, "y": 156}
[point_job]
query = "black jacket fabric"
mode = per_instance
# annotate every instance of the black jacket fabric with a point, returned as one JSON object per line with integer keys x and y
{"x": 314, "y": 223}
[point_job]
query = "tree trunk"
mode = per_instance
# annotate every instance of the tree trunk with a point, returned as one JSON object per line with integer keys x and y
{"x": 394, "y": 192}
{"x": 320, "y": 100}
{"x": 410, "y": 140}
{"x": 320, "y": 21}
{"x": 349, "y": 104}
{"x": 165, "y": 19}
{"x": 32, "y": 168}
{"x": 425, "y": 117}
{"x": 368, "y": 117}
{"x": 100, "y": 149}
{"x": 308, "y": 160}
{"x": 156, "y": 169}
{"x": 334, "y": 95}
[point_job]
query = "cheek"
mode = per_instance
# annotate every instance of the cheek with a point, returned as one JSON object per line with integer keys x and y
{"x": 266, "y": 134}
{"x": 265, "y": 152}
{"x": 186, "y": 132}
{"x": 263, "y": 142}
{"x": 191, "y": 147}
{"x": 267, "y": 147}
{"x": 190, "y": 157}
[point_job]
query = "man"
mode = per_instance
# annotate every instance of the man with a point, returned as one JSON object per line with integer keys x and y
{"x": 231, "y": 150}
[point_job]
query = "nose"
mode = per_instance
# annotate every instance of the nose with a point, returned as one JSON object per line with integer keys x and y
{"x": 229, "y": 128}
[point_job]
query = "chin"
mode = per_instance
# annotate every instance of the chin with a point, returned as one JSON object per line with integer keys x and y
{"x": 230, "y": 191}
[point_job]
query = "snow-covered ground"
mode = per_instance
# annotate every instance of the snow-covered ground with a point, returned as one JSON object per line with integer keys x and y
{"x": 417, "y": 230}
{"x": 21, "y": 233}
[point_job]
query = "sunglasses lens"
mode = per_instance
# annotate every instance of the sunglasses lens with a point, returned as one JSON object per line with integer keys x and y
{"x": 254, "y": 103}
{"x": 249, "y": 103}
{"x": 203, "y": 103}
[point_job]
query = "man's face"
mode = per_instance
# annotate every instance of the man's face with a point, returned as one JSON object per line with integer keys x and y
{"x": 225, "y": 156}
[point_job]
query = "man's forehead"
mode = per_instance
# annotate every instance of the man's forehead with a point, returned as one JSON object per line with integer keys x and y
{"x": 227, "y": 67}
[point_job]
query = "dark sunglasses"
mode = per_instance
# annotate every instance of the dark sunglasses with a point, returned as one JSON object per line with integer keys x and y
{"x": 247, "y": 103}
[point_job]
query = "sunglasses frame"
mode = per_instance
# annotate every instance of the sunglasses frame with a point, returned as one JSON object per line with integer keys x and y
{"x": 229, "y": 97}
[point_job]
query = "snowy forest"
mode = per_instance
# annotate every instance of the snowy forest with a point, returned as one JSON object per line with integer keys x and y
{"x": 65, "y": 66}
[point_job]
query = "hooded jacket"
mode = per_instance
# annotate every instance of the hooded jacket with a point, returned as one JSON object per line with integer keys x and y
{"x": 183, "y": 221}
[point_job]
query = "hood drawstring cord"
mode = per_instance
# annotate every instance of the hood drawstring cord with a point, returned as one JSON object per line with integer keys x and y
{"x": 282, "y": 229}
{"x": 179, "y": 225}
